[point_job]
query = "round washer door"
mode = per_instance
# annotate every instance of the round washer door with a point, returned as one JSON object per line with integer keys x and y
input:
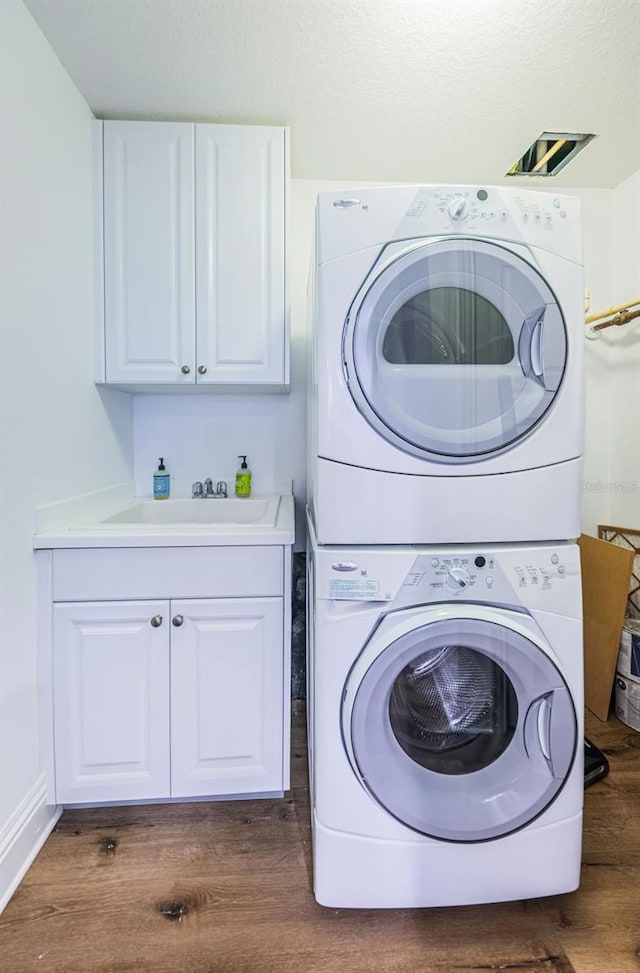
{"x": 456, "y": 350}
{"x": 462, "y": 727}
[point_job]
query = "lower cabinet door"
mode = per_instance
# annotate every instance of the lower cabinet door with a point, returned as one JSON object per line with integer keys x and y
{"x": 111, "y": 691}
{"x": 226, "y": 696}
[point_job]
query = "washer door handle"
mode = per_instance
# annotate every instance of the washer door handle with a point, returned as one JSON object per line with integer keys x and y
{"x": 550, "y": 731}
{"x": 537, "y": 731}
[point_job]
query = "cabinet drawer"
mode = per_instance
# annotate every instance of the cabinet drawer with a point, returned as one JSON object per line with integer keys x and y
{"x": 177, "y": 572}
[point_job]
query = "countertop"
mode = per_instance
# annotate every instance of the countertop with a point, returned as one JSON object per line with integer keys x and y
{"x": 77, "y": 526}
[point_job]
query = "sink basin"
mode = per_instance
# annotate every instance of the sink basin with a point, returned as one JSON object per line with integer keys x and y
{"x": 229, "y": 512}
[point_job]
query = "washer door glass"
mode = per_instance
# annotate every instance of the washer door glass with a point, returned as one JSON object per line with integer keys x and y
{"x": 456, "y": 350}
{"x": 462, "y": 729}
{"x": 453, "y": 709}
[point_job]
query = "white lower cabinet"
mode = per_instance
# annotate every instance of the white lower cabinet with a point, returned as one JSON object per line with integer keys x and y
{"x": 226, "y": 696}
{"x": 111, "y": 701}
{"x": 168, "y": 698}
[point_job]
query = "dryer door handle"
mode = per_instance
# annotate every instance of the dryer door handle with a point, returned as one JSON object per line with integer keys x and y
{"x": 536, "y": 349}
{"x": 531, "y": 346}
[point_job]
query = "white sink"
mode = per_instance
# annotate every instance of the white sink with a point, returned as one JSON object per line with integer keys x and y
{"x": 229, "y": 512}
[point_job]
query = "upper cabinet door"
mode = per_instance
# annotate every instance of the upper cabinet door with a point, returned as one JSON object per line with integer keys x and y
{"x": 148, "y": 252}
{"x": 241, "y": 197}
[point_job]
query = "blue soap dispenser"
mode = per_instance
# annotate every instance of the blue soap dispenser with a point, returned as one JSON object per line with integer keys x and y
{"x": 161, "y": 482}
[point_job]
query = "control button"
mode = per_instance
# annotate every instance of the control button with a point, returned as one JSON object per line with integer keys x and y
{"x": 458, "y": 209}
{"x": 457, "y": 578}
{"x": 561, "y": 569}
{"x": 480, "y": 561}
{"x": 489, "y": 581}
{"x": 482, "y": 194}
{"x": 556, "y": 203}
{"x": 545, "y": 578}
{"x": 554, "y": 558}
{"x": 492, "y": 214}
{"x": 503, "y": 215}
{"x": 434, "y": 562}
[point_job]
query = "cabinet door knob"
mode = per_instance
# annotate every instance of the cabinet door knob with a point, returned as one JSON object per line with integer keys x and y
{"x": 177, "y": 620}
{"x": 202, "y": 369}
{"x": 185, "y": 369}
{"x": 156, "y": 621}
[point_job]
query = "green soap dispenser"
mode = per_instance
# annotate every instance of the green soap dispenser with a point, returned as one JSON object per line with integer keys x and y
{"x": 161, "y": 482}
{"x": 243, "y": 479}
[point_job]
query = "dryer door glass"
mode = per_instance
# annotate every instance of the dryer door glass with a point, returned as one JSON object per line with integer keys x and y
{"x": 456, "y": 350}
{"x": 462, "y": 729}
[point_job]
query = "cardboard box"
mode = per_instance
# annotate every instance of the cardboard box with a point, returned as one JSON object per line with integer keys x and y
{"x": 606, "y": 571}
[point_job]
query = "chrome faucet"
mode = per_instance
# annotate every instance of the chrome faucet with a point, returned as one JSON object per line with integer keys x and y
{"x": 206, "y": 490}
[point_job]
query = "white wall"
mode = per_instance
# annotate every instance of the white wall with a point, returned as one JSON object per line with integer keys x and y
{"x": 202, "y": 435}
{"x": 60, "y": 436}
{"x": 624, "y": 362}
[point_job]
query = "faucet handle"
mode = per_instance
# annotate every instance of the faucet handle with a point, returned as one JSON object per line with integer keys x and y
{"x": 196, "y": 489}
{"x": 221, "y": 488}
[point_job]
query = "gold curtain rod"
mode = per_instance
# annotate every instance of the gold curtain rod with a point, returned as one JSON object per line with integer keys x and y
{"x": 614, "y": 309}
{"x": 622, "y": 317}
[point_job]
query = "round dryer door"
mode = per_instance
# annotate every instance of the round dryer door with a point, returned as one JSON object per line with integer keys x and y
{"x": 461, "y": 728}
{"x": 455, "y": 350}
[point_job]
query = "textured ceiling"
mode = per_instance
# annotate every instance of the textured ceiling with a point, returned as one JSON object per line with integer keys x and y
{"x": 377, "y": 90}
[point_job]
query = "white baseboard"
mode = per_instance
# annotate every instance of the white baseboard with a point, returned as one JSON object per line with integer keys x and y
{"x": 22, "y": 837}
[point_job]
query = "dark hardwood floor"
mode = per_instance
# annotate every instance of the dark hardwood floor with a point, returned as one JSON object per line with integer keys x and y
{"x": 226, "y": 888}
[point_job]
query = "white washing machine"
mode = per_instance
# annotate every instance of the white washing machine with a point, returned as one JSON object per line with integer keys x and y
{"x": 445, "y": 724}
{"x": 447, "y": 366}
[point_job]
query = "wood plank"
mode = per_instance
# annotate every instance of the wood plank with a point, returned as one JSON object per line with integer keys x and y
{"x": 225, "y": 887}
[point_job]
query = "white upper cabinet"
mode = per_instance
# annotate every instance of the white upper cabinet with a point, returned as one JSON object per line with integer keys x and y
{"x": 240, "y": 254}
{"x": 194, "y": 238}
{"x": 149, "y": 220}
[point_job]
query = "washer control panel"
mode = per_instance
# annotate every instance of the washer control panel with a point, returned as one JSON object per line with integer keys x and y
{"x": 457, "y": 574}
{"x": 530, "y": 576}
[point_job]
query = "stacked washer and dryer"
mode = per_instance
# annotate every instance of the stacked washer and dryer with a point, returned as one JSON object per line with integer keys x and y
{"x": 445, "y": 701}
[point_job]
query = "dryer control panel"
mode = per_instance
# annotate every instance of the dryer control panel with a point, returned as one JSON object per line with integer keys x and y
{"x": 381, "y": 216}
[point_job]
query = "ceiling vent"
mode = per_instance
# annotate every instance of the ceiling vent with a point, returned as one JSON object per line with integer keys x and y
{"x": 550, "y": 153}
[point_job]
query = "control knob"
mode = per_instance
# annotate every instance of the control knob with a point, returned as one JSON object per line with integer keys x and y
{"x": 458, "y": 208}
{"x": 457, "y": 578}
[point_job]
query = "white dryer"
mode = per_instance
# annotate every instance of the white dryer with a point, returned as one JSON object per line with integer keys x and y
{"x": 445, "y": 724}
{"x": 447, "y": 366}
